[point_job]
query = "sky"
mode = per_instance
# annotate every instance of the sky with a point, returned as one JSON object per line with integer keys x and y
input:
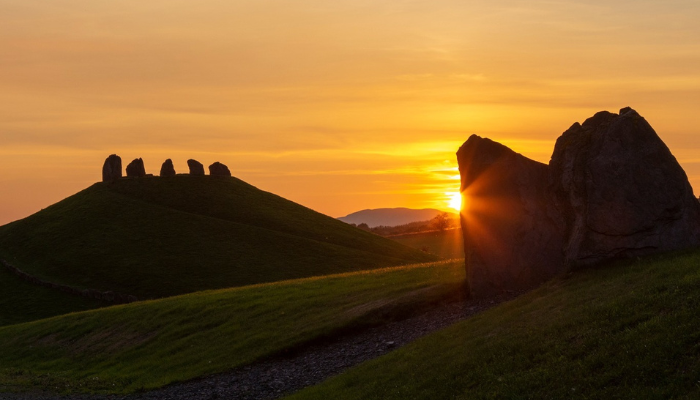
{"x": 338, "y": 105}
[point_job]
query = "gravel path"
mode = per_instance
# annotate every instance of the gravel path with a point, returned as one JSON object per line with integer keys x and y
{"x": 277, "y": 377}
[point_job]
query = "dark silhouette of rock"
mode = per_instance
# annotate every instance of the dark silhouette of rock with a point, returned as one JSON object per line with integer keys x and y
{"x": 612, "y": 190}
{"x": 136, "y": 169}
{"x": 167, "y": 169}
{"x": 621, "y": 191}
{"x": 112, "y": 168}
{"x": 196, "y": 168}
{"x": 219, "y": 169}
{"x": 512, "y": 234}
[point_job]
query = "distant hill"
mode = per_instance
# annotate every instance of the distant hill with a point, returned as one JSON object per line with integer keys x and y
{"x": 390, "y": 216}
{"x": 155, "y": 237}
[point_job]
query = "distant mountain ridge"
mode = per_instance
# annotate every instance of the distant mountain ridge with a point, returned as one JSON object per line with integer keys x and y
{"x": 390, "y": 216}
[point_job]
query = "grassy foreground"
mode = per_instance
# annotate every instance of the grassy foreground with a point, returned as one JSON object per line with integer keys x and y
{"x": 630, "y": 331}
{"x": 156, "y": 237}
{"x": 149, "y": 344}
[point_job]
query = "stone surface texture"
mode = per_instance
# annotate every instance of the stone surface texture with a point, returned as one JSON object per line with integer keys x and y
{"x": 136, "y": 169}
{"x": 196, "y": 168}
{"x": 112, "y": 168}
{"x": 219, "y": 169}
{"x": 513, "y": 235}
{"x": 611, "y": 190}
{"x": 621, "y": 191}
{"x": 167, "y": 169}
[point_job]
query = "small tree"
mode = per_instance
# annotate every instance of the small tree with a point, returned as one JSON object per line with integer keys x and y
{"x": 441, "y": 221}
{"x": 364, "y": 227}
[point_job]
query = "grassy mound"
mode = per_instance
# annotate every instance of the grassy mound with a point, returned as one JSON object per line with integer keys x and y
{"x": 155, "y": 237}
{"x": 21, "y": 301}
{"x": 625, "y": 332}
{"x": 152, "y": 343}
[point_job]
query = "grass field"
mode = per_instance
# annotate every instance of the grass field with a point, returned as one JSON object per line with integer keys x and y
{"x": 626, "y": 332}
{"x": 446, "y": 244}
{"x": 156, "y": 237}
{"x": 21, "y": 301}
{"x": 150, "y": 344}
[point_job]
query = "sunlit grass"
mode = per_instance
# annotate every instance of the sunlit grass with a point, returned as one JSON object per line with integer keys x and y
{"x": 629, "y": 331}
{"x": 150, "y": 344}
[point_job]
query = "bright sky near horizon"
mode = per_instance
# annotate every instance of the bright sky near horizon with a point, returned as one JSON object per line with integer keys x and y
{"x": 338, "y": 105}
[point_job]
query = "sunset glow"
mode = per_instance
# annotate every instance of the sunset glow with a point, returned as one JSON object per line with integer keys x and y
{"x": 340, "y": 106}
{"x": 455, "y": 201}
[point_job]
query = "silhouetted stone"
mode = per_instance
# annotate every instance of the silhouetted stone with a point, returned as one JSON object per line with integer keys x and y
{"x": 167, "y": 169}
{"x": 219, "y": 169}
{"x": 512, "y": 235}
{"x": 621, "y": 190}
{"x": 112, "y": 168}
{"x": 135, "y": 169}
{"x": 612, "y": 190}
{"x": 196, "y": 168}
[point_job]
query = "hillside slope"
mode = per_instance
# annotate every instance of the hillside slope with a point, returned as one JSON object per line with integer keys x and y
{"x": 630, "y": 331}
{"x": 154, "y": 237}
{"x": 22, "y": 301}
{"x": 149, "y": 344}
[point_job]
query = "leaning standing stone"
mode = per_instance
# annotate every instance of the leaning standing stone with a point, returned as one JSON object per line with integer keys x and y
{"x": 135, "y": 169}
{"x": 167, "y": 169}
{"x": 219, "y": 169}
{"x": 112, "y": 168}
{"x": 196, "y": 168}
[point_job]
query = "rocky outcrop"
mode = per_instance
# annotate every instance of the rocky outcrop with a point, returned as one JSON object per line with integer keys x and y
{"x": 621, "y": 191}
{"x": 611, "y": 190}
{"x": 167, "y": 169}
{"x": 112, "y": 168}
{"x": 136, "y": 169}
{"x": 512, "y": 234}
{"x": 219, "y": 169}
{"x": 196, "y": 168}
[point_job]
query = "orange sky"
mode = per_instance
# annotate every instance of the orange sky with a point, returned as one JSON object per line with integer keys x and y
{"x": 338, "y": 105}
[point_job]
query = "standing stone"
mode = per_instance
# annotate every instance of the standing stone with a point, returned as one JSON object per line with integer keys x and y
{"x": 135, "y": 169}
{"x": 196, "y": 168}
{"x": 167, "y": 169}
{"x": 611, "y": 190}
{"x": 512, "y": 234}
{"x": 112, "y": 168}
{"x": 219, "y": 169}
{"x": 622, "y": 192}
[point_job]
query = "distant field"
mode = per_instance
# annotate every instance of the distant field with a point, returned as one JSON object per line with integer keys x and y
{"x": 156, "y": 237}
{"x": 626, "y": 332}
{"x": 21, "y": 301}
{"x": 445, "y": 244}
{"x": 149, "y": 344}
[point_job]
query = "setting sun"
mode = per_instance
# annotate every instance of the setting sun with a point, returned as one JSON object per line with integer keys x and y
{"x": 455, "y": 201}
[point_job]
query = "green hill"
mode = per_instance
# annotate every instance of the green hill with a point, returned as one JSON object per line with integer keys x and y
{"x": 154, "y": 237}
{"x": 22, "y": 301}
{"x": 149, "y": 344}
{"x": 626, "y": 332}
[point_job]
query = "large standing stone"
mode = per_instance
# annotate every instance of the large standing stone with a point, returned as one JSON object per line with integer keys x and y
{"x": 112, "y": 168}
{"x": 219, "y": 169}
{"x": 196, "y": 168}
{"x": 167, "y": 169}
{"x": 513, "y": 236}
{"x": 136, "y": 169}
{"x": 621, "y": 190}
{"x": 612, "y": 190}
